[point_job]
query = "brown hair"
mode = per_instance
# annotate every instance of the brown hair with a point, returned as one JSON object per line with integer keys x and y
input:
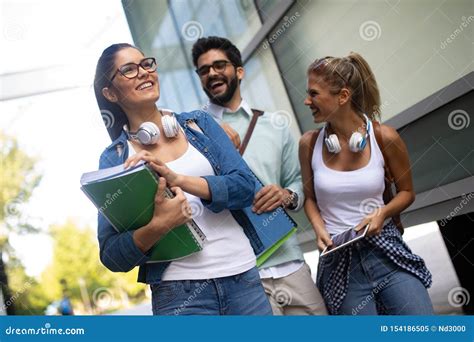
{"x": 352, "y": 72}
{"x": 112, "y": 114}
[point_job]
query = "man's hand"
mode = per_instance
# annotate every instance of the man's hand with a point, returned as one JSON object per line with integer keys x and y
{"x": 232, "y": 134}
{"x": 271, "y": 197}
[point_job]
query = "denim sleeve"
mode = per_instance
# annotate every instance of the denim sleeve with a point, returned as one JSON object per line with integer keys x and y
{"x": 234, "y": 187}
{"x": 290, "y": 169}
{"x": 118, "y": 251}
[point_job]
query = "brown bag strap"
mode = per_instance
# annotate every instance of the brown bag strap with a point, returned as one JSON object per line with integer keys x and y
{"x": 248, "y": 135}
{"x": 388, "y": 194}
{"x": 378, "y": 138}
{"x": 312, "y": 143}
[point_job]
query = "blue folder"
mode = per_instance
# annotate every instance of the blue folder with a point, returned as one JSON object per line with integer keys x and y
{"x": 273, "y": 228}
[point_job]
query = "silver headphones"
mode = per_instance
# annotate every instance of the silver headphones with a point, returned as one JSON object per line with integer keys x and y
{"x": 357, "y": 142}
{"x": 148, "y": 133}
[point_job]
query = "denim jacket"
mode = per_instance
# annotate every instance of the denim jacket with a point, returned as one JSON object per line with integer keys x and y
{"x": 231, "y": 188}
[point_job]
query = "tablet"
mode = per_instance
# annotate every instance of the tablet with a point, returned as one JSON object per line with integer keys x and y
{"x": 345, "y": 238}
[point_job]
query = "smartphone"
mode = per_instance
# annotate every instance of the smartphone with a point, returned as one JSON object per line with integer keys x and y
{"x": 345, "y": 238}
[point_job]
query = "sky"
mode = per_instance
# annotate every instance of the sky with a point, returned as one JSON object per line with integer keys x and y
{"x": 63, "y": 129}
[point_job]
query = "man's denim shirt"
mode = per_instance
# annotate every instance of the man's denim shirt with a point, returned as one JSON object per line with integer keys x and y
{"x": 231, "y": 188}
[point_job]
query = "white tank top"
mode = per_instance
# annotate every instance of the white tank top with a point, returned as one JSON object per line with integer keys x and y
{"x": 227, "y": 250}
{"x": 345, "y": 197}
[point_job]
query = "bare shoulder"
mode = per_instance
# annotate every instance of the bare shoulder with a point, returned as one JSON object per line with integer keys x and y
{"x": 393, "y": 144}
{"x": 389, "y": 135}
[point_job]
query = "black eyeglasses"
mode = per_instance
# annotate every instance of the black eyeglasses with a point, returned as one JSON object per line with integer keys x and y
{"x": 131, "y": 70}
{"x": 218, "y": 66}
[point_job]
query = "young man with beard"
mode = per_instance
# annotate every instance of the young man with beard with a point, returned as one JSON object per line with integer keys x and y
{"x": 272, "y": 154}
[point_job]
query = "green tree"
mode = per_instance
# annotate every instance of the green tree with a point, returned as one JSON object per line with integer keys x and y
{"x": 76, "y": 261}
{"x": 27, "y": 294}
{"x": 18, "y": 179}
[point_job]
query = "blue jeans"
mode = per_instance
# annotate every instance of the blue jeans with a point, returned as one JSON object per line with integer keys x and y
{"x": 240, "y": 294}
{"x": 379, "y": 286}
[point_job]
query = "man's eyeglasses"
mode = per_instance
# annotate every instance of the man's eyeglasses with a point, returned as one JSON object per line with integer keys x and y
{"x": 218, "y": 66}
{"x": 131, "y": 70}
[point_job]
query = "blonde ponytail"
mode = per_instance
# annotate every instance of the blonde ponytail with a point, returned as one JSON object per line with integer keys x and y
{"x": 352, "y": 72}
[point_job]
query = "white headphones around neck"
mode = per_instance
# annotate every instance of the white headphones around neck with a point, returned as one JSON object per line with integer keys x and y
{"x": 357, "y": 142}
{"x": 148, "y": 133}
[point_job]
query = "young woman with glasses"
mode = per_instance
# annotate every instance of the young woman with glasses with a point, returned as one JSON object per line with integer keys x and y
{"x": 343, "y": 175}
{"x": 198, "y": 162}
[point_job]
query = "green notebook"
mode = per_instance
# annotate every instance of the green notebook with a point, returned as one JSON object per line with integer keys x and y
{"x": 126, "y": 199}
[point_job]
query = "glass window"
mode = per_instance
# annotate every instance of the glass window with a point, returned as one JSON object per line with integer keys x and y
{"x": 167, "y": 30}
{"x": 263, "y": 88}
{"x": 440, "y": 145}
{"x": 414, "y": 47}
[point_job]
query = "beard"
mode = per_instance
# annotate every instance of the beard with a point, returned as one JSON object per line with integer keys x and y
{"x": 225, "y": 97}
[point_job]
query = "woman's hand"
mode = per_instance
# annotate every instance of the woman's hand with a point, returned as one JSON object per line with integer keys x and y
{"x": 171, "y": 177}
{"x": 323, "y": 239}
{"x": 193, "y": 185}
{"x": 168, "y": 214}
{"x": 375, "y": 221}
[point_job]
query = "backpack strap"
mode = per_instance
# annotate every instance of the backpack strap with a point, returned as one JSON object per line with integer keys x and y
{"x": 388, "y": 194}
{"x": 314, "y": 137}
{"x": 307, "y": 171}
